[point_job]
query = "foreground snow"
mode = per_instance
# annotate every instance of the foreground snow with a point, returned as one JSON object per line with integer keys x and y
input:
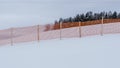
{"x": 87, "y": 52}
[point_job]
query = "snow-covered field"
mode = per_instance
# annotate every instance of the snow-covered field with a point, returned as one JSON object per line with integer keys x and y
{"x": 86, "y": 52}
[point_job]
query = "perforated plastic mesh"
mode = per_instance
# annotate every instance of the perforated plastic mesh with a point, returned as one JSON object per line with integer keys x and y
{"x": 47, "y": 35}
{"x": 25, "y": 34}
{"x": 46, "y": 32}
{"x": 111, "y": 28}
{"x": 91, "y": 30}
{"x": 70, "y": 32}
{"x": 5, "y": 37}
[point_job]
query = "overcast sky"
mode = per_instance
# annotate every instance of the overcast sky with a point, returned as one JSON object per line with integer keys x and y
{"x": 31, "y": 12}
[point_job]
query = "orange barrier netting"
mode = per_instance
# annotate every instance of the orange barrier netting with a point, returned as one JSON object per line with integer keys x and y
{"x": 25, "y": 34}
{"x": 5, "y": 37}
{"x": 91, "y": 30}
{"x": 47, "y": 32}
{"x": 111, "y": 28}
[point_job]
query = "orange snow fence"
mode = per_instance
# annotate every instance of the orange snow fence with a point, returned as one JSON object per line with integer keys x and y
{"x": 59, "y": 31}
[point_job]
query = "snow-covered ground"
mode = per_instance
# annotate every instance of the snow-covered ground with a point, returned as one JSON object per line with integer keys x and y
{"x": 86, "y": 52}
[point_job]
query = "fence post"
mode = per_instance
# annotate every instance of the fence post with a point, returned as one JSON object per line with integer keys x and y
{"x": 38, "y": 33}
{"x": 80, "y": 29}
{"x": 102, "y": 26}
{"x": 11, "y": 32}
{"x": 60, "y": 30}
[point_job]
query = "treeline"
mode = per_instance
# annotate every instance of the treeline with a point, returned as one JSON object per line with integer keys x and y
{"x": 90, "y": 16}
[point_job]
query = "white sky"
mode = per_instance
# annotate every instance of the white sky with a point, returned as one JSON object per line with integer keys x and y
{"x": 32, "y": 12}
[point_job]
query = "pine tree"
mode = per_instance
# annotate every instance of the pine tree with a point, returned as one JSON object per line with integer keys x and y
{"x": 114, "y": 16}
{"x": 118, "y": 15}
{"x": 77, "y": 18}
{"x": 60, "y": 20}
{"x": 89, "y": 16}
{"x": 82, "y": 16}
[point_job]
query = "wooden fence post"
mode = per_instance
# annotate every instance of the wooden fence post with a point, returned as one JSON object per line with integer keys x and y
{"x": 38, "y": 33}
{"x": 80, "y": 29}
{"x": 60, "y": 30}
{"x": 102, "y": 26}
{"x": 11, "y": 32}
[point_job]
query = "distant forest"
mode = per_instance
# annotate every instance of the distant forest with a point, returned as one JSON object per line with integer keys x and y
{"x": 90, "y": 16}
